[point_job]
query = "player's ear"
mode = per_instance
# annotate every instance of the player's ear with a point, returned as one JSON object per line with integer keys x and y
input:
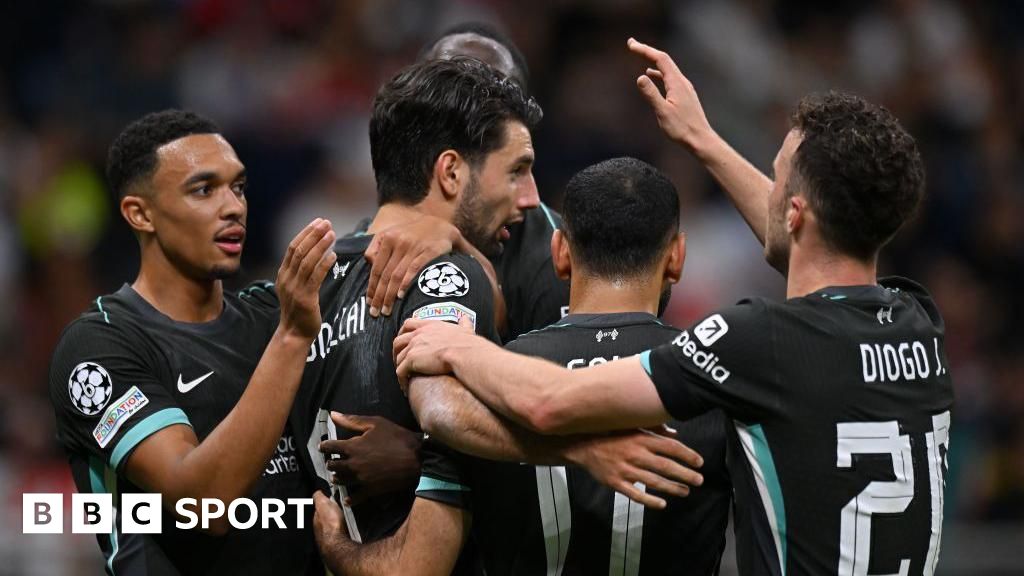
{"x": 560, "y": 255}
{"x": 796, "y": 213}
{"x": 137, "y": 212}
{"x": 449, "y": 173}
{"x": 675, "y": 258}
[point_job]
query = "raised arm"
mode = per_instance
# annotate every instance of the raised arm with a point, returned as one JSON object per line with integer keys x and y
{"x": 228, "y": 462}
{"x": 451, "y": 414}
{"x": 682, "y": 118}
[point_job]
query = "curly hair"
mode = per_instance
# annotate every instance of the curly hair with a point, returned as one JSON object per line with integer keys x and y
{"x": 132, "y": 156}
{"x": 861, "y": 170}
{"x": 460, "y": 104}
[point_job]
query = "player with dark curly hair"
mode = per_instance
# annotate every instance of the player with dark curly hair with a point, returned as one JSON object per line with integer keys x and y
{"x": 840, "y": 396}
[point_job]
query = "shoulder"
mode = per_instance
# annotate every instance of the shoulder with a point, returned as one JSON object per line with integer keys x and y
{"x": 451, "y": 275}
{"x": 539, "y": 339}
{"x": 908, "y": 289}
{"x": 259, "y": 294}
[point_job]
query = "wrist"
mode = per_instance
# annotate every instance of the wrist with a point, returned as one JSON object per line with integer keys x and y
{"x": 702, "y": 144}
{"x": 290, "y": 339}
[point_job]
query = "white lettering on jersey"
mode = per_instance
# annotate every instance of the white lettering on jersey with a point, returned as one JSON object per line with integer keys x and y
{"x": 706, "y": 361}
{"x": 890, "y": 362}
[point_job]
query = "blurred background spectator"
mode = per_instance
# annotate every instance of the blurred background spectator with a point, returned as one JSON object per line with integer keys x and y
{"x": 291, "y": 82}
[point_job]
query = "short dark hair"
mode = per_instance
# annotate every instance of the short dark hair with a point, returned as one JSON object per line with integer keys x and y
{"x": 460, "y": 104}
{"x": 132, "y": 156}
{"x": 618, "y": 216}
{"x": 861, "y": 170}
{"x": 521, "y": 71}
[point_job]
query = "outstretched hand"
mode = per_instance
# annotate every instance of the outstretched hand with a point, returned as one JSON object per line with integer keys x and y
{"x": 633, "y": 461}
{"x": 679, "y": 112}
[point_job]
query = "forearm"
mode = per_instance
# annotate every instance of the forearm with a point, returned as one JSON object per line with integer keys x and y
{"x": 746, "y": 186}
{"x": 450, "y": 413}
{"x": 228, "y": 462}
{"x": 379, "y": 558}
{"x": 517, "y": 387}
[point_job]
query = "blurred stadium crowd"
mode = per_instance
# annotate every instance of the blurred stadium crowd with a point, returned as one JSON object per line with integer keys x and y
{"x": 291, "y": 82}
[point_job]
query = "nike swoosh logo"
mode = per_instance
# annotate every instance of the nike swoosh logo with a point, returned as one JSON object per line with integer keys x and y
{"x": 185, "y": 387}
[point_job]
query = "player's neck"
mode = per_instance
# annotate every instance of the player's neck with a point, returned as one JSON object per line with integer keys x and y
{"x": 176, "y": 296}
{"x": 590, "y": 295}
{"x": 395, "y": 213}
{"x": 812, "y": 271}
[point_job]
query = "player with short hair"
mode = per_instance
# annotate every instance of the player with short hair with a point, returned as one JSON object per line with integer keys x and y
{"x": 532, "y": 295}
{"x": 520, "y": 518}
{"x": 840, "y": 396}
{"x": 157, "y": 386}
{"x": 448, "y": 139}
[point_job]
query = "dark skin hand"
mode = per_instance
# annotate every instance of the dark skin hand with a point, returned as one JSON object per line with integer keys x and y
{"x": 384, "y": 458}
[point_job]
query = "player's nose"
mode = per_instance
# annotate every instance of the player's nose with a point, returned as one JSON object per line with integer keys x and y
{"x": 529, "y": 197}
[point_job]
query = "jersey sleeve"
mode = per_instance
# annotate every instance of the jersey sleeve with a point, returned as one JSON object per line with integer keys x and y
{"x": 724, "y": 361}
{"x": 106, "y": 393}
{"x": 450, "y": 288}
{"x": 443, "y": 475}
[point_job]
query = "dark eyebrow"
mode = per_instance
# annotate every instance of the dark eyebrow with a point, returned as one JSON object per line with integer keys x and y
{"x": 525, "y": 159}
{"x": 208, "y": 176}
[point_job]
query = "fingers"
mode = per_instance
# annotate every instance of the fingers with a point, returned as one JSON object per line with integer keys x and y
{"x": 650, "y": 91}
{"x": 664, "y": 69}
{"x": 343, "y": 471}
{"x": 639, "y": 496}
{"x": 400, "y": 343}
{"x": 293, "y": 246}
{"x": 675, "y": 450}
{"x": 671, "y": 470}
{"x": 334, "y": 448}
{"x": 394, "y": 275}
{"x": 466, "y": 323}
{"x": 376, "y": 286}
{"x": 358, "y": 423}
{"x": 655, "y": 482}
{"x": 315, "y": 255}
{"x": 418, "y": 263}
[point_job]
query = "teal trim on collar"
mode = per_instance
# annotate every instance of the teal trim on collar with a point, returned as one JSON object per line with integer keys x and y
{"x": 551, "y": 219}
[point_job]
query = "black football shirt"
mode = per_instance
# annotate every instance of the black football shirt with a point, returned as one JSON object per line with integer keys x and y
{"x": 350, "y": 368}
{"x": 840, "y": 404}
{"x": 560, "y": 520}
{"x": 121, "y": 372}
{"x": 535, "y": 296}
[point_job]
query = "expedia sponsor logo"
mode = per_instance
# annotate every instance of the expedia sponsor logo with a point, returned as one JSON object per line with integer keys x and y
{"x": 446, "y": 311}
{"x": 706, "y": 361}
{"x": 118, "y": 413}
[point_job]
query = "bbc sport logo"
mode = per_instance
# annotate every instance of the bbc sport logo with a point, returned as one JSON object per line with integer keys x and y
{"x": 143, "y": 513}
